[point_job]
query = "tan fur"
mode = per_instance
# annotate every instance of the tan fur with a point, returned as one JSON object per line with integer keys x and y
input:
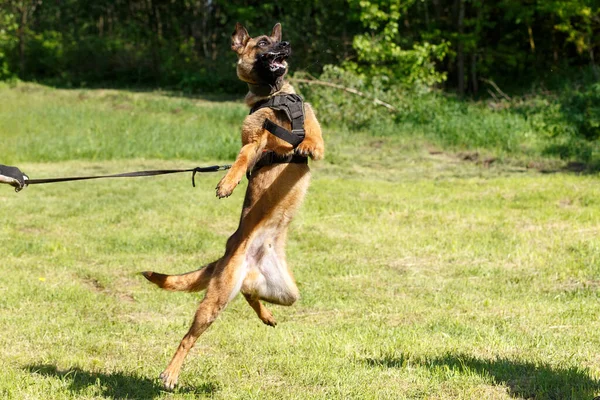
{"x": 254, "y": 261}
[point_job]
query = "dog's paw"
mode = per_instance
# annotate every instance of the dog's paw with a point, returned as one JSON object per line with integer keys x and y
{"x": 169, "y": 380}
{"x": 267, "y": 318}
{"x": 310, "y": 149}
{"x": 271, "y": 322}
{"x": 222, "y": 192}
{"x": 225, "y": 188}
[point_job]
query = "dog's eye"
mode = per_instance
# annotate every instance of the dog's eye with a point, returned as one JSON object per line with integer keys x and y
{"x": 263, "y": 43}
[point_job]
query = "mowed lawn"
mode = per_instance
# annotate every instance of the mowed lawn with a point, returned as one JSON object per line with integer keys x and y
{"x": 421, "y": 275}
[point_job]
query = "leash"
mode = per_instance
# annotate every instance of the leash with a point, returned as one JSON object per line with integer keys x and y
{"x": 212, "y": 168}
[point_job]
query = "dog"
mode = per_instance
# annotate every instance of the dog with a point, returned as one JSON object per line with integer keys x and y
{"x": 254, "y": 262}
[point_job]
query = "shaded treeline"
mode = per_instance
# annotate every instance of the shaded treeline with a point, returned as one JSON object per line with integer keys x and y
{"x": 185, "y": 43}
{"x": 157, "y": 42}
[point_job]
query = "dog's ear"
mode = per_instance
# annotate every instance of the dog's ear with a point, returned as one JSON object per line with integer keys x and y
{"x": 276, "y": 33}
{"x": 239, "y": 38}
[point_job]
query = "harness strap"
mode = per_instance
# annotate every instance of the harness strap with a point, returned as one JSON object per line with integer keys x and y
{"x": 283, "y": 134}
{"x": 270, "y": 158}
{"x": 293, "y": 107}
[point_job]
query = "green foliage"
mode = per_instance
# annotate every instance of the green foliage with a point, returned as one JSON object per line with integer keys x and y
{"x": 563, "y": 125}
{"x": 416, "y": 66}
{"x": 46, "y": 55}
{"x": 582, "y": 110}
{"x": 336, "y": 107}
{"x": 380, "y": 48}
{"x": 182, "y": 45}
{"x": 578, "y": 19}
{"x": 8, "y": 43}
{"x": 566, "y": 122}
{"x": 442, "y": 43}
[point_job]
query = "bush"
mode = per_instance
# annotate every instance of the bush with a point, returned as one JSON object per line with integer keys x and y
{"x": 349, "y": 110}
{"x": 565, "y": 125}
{"x": 582, "y": 110}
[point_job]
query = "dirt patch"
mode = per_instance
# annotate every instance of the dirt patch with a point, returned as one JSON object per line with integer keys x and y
{"x": 579, "y": 285}
{"x": 472, "y": 156}
{"x": 96, "y": 286}
{"x": 93, "y": 284}
{"x": 127, "y": 297}
{"x": 123, "y": 107}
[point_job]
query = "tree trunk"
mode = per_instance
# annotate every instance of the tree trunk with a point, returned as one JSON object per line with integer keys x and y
{"x": 460, "y": 57}
{"x": 21, "y": 35}
{"x": 101, "y": 26}
{"x": 593, "y": 63}
{"x": 437, "y": 9}
{"x": 474, "y": 71}
{"x": 425, "y": 11}
{"x": 531, "y": 41}
{"x": 205, "y": 35}
{"x": 554, "y": 43}
{"x": 154, "y": 37}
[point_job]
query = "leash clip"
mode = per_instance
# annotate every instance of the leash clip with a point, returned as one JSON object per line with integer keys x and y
{"x": 213, "y": 168}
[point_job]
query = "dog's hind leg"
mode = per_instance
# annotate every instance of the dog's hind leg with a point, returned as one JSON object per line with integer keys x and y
{"x": 227, "y": 278}
{"x": 263, "y": 313}
{"x": 193, "y": 281}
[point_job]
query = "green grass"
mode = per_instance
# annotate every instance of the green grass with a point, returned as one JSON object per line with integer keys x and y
{"x": 422, "y": 276}
{"x": 44, "y": 124}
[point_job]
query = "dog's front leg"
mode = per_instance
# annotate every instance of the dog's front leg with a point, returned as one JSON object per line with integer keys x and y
{"x": 224, "y": 286}
{"x": 312, "y": 146}
{"x": 245, "y": 158}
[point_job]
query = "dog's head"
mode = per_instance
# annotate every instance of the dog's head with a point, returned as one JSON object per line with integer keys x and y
{"x": 262, "y": 59}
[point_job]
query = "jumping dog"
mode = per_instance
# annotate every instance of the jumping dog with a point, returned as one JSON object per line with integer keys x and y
{"x": 254, "y": 262}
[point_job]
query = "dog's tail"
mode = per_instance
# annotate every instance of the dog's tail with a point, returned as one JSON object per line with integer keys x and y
{"x": 193, "y": 281}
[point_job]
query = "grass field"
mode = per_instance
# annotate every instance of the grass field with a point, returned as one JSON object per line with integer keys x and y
{"x": 422, "y": 275}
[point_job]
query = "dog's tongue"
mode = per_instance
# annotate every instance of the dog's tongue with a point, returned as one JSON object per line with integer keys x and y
{"x": 276, "y": 64}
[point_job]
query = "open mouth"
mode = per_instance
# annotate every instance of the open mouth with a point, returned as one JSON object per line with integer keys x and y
{"x": 276, "y": 61}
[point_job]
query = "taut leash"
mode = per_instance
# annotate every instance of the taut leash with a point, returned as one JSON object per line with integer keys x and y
{"x": 212, "y": 168}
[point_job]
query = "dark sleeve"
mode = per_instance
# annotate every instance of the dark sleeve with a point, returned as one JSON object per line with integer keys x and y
{"x": 14, "y": 173}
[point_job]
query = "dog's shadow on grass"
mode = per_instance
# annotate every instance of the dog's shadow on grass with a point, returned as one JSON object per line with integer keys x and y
{"x": 523, "y": 379}
{"x": 116, "y": 385}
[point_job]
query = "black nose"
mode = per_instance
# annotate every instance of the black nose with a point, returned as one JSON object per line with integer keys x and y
{"x": 284, "y": 44}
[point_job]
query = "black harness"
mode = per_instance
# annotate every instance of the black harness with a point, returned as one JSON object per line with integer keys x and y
{"x": 293, "y": 107}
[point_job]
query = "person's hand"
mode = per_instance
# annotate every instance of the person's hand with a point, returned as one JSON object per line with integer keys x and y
{"x": 13, "y": 176}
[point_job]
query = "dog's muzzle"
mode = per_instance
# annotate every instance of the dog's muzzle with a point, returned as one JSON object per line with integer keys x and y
{"x": 275, "y": 59}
